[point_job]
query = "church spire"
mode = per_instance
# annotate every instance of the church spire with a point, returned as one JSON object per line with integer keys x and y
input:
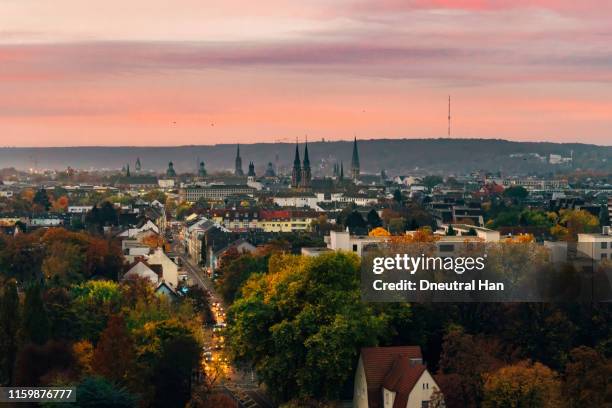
{"x": 296, "y": 173}
{"x": 306, "y": 173}
{"x": 355, "y": 161}
{"x": 238, "y": 163}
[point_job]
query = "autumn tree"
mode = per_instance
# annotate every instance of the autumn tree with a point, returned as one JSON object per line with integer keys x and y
{"x": 38, "y": 365}
{"x": 63, "y": 263}
{"x": 588, "y": 378}
{"x": 61, "y": 204}
{"x": 524, "y": 384}
{"x": 468, "y": 358}
{"x": 234, "y": 273}
{"x": 301, "y": 325}
{"x": 114, "y": 354}
{"x": 574, "y": 222}
{"x": 379, "y": 232}
{"x": 83, "y": 352}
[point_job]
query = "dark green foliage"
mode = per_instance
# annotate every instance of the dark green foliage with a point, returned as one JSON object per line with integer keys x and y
{"x": 99, "y": 392}
{"x": 9, "y": 326}
{"x": 37, "y": 364}
{"x": 41, "y": 198}
{"x": 172, "y": 375}
{"x": 355, "y": 222}
{"x": 35, "y": 322}
{"x": 432, "y": 181}
{"x": 397, "y": 195}
{"x": 516, "y": 193}
{"x": 374, "y": 220}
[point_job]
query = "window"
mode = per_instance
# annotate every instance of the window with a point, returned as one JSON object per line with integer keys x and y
{"x": 447, "y": 248}
{"x": 604, "y": 245}
{"x": 604, "y": 256}
{"x": 354, "y": 247}
{"x": 424, "y": 404}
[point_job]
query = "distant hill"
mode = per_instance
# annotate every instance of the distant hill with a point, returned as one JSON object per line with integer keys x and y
{"x": 396, "y": 156}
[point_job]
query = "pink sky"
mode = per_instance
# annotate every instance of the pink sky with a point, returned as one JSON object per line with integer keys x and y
{"x": 203, "y": 72}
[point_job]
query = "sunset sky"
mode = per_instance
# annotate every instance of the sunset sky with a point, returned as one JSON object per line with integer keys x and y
{"x": 136, "y": 72}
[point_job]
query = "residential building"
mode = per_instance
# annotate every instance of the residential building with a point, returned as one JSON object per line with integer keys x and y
{"x": 392, "y": 377}
{"x": 597, "y": 246}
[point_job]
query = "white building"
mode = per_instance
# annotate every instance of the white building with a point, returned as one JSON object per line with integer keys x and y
{"x": 79, "y": 209}
{"x": 597, "y": 246}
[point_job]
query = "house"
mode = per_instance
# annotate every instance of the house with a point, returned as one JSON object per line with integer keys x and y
{"x": 157, "y": 267}
{"x": 169, "y": 268}
{"x": 392, "y": 377}
{"x": 142, "y": 269}
{"x": 214, "y": 257}
{"x": 148, "y": 225}
{"x": 133, "y": 249}
{"x": 166, "y": 290}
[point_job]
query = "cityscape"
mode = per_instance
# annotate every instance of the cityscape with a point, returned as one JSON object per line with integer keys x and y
{"x": 323, "y": 204}
{"x": 102, "y": 266}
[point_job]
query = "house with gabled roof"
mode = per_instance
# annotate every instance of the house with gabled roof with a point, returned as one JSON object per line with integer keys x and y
{"x": 392, "y": 377}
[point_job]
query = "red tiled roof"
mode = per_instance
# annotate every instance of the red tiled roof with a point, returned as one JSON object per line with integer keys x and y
{"x": 377, "y": 363}
{"x": 401, "y": 379}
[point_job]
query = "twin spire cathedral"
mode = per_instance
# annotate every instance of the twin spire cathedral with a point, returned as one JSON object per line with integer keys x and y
{"x": 301, "y": 176}
{"x": 301, "y": 173}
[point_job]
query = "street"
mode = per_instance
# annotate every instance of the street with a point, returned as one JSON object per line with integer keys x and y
{"x": 242, "y": 386}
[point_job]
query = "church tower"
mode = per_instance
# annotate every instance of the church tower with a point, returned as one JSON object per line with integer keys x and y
{"x": 296, "y": 173}
{"x": 238, "y": 163}
{"x": 202, "y": 170}
{"x": 355, "y": 162}
{"x": 306, "y": 173}
{"x": 251, "y": 172}
{"x": 170, "y": 172}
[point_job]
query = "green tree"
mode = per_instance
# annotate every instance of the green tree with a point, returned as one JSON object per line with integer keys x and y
{"x": 397, "y": 196}
{"x": 397, "y": 226}
{"x": 516, "y": 193}
{"x": 100, "y": 392}
{"x": 355, "y": 222}
{"x": 9, "y": 326}
{"x": 172, "y": 377}
{"x": 41, "y": 198}
{"x": 35, "y": 322}
{"x": 374, "y": 220}
{"x": 432, "y": 181}
{"x": 235, "y": 272}
{"x": 301, "y": 325}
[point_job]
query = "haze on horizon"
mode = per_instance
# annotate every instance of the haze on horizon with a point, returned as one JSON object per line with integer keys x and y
{"x": 182, "y": 72}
